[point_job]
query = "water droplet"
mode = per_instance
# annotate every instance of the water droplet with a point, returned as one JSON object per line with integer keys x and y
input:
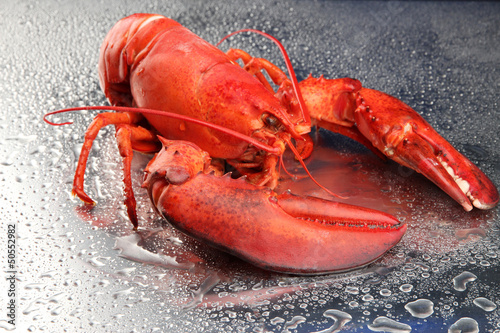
{"x": 95, "y": 262}
{"x": 406, "y": 288}
{"x": 249, "y": 318}
{"x": 340, "y": 319}
{"x": 475, "y": 152}
{"x": 76, "y": 312}
{"x": 57, "y": 297}
{"x": 237, "y": 287}
{"x": 277, "y": 320}
{"x": 57, "y": 311}
{"x": 31, "y": 308}
{"x": 10, "y": 158}
{"x": 6, "y": 325}
{"x": 464, "y": 325}
{"x": 384, "y": 324}
{"x": 23, "y": 138}
{"x": 40, "y": 149}
{"x": 49, "y": 274}
{"x": 485, "y": 304}
{"x": 37, "y": 286}
{"x": 492, "y": 255}
{"x": 352, "y": 290}
{"x": 104, "y": 283}
{"x": 385, "y": 292}
{"x": 125, "y": 271}
{"x": 421, "y": 308}
{"x": 123, "y": 292}
{"x": 21, "y": 178}
{"x": 294, "y": 322}
{"x": 258, "y": 286}
{"x": 460, "y": 281}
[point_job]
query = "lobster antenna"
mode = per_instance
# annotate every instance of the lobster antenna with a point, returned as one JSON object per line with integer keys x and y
{"x": 282, "y": 165}
{"x": 288, "y": 63}
{"x": 243, "y": 137}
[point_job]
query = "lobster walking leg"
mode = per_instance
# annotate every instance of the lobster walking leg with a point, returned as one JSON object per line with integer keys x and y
{"x": 284, "y": 93}
{"x": 286, "y": 233}
{"x": 255, "y": 65}
{"x": 129, "y": 137}
{"x": 236, "y": 54}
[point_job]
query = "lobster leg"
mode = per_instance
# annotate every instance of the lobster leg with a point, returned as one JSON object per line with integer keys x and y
{"x": 285, "y": 92}
{"x": 255, "y": 65}
{"x": 130, "y": 137}
{"x": 286, "y": 233}
{"x": 401, "y": 134}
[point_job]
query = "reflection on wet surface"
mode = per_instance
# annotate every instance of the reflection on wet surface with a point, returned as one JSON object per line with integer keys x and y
{"x": 224, "y": 287}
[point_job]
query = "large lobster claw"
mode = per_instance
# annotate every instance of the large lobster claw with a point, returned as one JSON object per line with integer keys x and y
{"x": 284, "y": 233}
{"x": 387, "y": 125}
{"x": 403, "y": 135}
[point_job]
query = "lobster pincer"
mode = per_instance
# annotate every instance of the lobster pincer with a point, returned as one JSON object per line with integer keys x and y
{"x": 389, "y": 127}
{"x": 284, "y": 233}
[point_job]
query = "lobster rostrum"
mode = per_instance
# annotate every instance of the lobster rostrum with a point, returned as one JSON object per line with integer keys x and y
{"x": 149, "y": 62}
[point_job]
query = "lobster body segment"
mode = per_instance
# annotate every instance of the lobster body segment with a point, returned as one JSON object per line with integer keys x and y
{"x": 285, "y": 233}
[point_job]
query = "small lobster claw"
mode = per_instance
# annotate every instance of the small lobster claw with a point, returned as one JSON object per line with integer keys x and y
{"x": 284, "y": 233}
{"x": 391, "y": 128}
{"x": 404, "y": 136}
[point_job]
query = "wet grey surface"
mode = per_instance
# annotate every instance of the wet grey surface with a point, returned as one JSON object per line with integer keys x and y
{"x": 79, "y": 270}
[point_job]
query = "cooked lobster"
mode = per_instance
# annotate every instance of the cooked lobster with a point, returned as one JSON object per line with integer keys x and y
{"x": 149, "y": 62}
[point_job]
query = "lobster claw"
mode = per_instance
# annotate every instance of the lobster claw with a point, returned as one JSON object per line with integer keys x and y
{"x": 404, "y": 136}
{"x": 391, "y": 128}
{"x": 284, "y": 233}
{"x": 340, "y": 236}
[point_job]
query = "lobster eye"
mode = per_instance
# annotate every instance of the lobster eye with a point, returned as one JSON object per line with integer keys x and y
{"x": 270, "y": 120}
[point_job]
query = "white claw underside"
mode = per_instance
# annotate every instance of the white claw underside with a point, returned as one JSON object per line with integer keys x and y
{"x": 462, "y": 183}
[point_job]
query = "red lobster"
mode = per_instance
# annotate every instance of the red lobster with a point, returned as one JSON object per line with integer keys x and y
{"x": 149, "y": 62}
